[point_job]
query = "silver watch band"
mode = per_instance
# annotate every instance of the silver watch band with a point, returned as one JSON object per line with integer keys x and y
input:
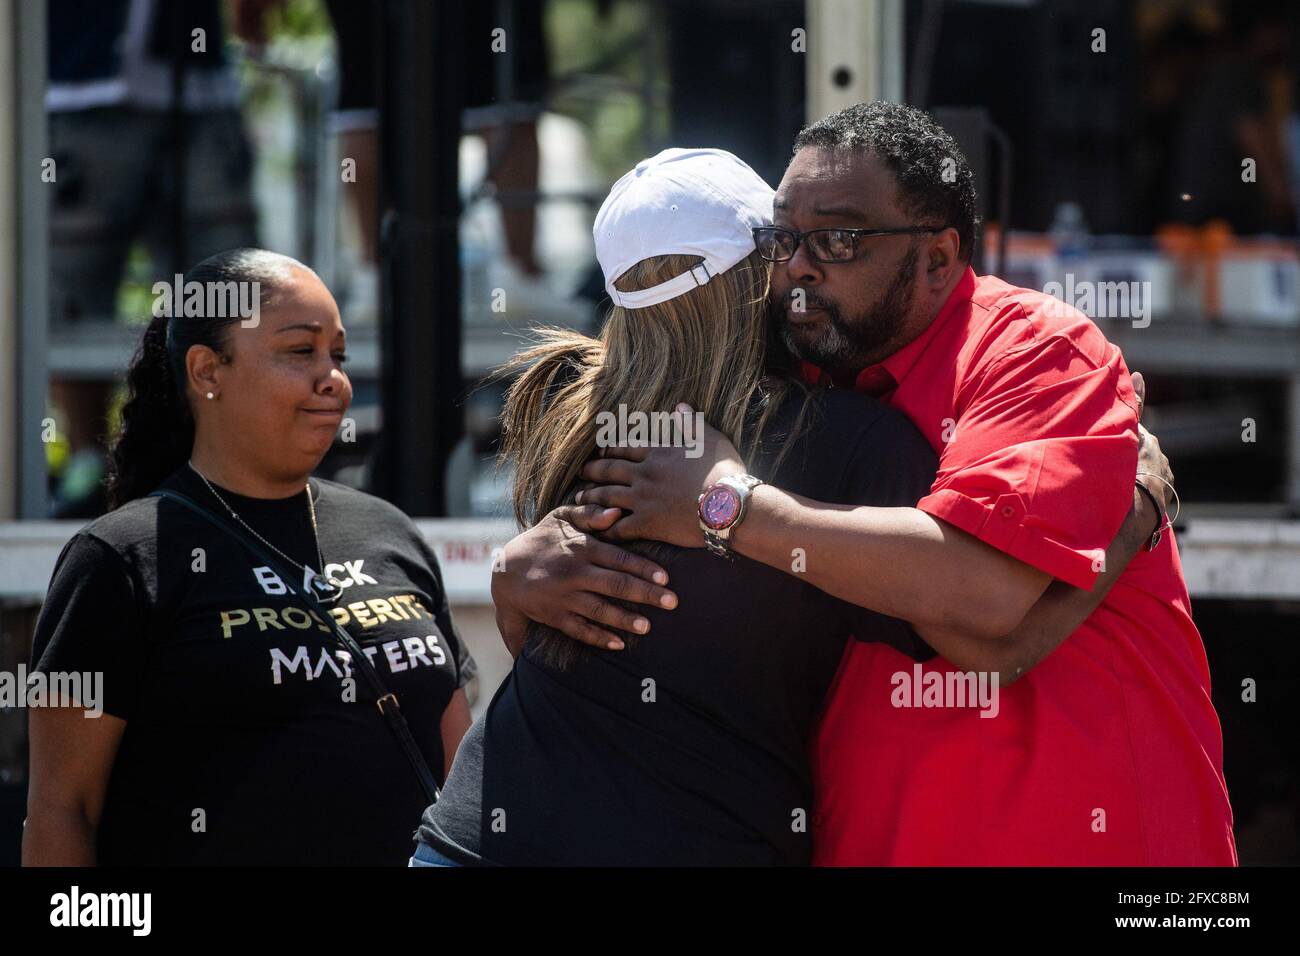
{"x": 719, "y": 541}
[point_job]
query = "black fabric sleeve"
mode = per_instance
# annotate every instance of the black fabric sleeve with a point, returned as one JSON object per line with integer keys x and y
{"x": 92, "y": 621}
{"x": 891, "y": 466}
{"x": 466, "y": 666}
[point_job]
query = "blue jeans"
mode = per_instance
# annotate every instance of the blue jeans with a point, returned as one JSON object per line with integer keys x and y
{"x": 426, "y": 855}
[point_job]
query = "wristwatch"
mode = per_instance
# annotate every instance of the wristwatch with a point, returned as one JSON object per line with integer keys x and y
{"x": 722, "y": 508}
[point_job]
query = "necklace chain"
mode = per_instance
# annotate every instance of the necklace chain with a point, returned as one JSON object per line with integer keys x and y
{"x": 311, "y": 511}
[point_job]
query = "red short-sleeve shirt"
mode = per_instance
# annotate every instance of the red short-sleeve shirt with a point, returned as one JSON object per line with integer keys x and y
{"x": 1109, "y": 751}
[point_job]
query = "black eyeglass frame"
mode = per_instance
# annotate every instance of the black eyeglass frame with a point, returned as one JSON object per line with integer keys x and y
{"x": 857, "y": 234}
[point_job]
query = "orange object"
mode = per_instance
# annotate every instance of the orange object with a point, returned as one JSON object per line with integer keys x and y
{"x": 1199, "y": 248}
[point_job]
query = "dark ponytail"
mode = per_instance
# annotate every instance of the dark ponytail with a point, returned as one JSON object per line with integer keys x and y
{"x": 157, "y": 432}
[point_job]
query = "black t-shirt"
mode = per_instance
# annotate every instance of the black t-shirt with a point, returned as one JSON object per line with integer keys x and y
{"x": 245, "y": 743}
{"x": 690, "y": 746}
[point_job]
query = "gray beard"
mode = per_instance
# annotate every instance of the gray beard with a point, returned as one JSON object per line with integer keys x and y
{"x": 842, "y": 344}
{"x": 834, "y": 348}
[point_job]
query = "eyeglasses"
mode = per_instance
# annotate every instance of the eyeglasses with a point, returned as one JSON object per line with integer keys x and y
{"x": 825, "y": 245}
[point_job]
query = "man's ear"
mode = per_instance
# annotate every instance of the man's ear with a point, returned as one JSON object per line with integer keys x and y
{"x": 944, "y": 249}
{"x": 942, "y": 256}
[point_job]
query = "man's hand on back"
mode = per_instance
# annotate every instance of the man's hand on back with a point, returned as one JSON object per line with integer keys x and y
{"x": 659, "y": 488}
{"x": 559, "y": 574}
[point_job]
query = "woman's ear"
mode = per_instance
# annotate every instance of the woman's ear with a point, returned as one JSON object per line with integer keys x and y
{"x": 203, "y": 370}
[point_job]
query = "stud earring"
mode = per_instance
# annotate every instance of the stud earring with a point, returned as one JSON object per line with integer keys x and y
{"x": 210, "y": 395}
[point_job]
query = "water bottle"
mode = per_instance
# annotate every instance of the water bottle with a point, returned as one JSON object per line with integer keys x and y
{"x": 1069, "y": 232}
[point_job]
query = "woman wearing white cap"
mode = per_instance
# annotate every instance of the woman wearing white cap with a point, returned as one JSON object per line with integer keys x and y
{"x": 688, "y": 748}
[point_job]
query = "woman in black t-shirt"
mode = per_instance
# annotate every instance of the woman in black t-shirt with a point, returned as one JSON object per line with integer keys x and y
{"x": 234, "y": 730}
{"x": 690, "y": 746}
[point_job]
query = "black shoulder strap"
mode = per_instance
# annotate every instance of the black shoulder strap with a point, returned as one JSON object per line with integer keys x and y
{"x": 385, "y": 700}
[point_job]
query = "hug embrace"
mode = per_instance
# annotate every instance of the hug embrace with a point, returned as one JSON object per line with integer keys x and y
{"x": 908, "y": 596}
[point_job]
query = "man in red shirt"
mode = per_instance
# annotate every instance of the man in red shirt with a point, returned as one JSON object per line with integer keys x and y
{"x": 1109, "y": 750}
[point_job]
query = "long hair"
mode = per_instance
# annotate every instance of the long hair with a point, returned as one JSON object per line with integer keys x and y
{"x": 709, "y": 347}
{"x": 156, "y": 435}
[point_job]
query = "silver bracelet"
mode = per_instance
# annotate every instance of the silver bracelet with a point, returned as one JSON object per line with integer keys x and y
{"x": 1168, "y": 522}
{"x": 1172, "y": 490}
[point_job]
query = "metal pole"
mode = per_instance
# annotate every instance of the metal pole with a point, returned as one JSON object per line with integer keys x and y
{"x": 855, "y": 54}
{"x": 178, "y": 45}
{"x": 421, "y": 101}
{"x": 28, "y": 307}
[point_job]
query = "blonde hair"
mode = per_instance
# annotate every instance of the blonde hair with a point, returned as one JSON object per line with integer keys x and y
{"x": 708, "y": 347}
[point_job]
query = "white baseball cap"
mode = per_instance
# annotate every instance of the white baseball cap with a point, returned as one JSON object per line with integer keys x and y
{"x": 698, "y": 202}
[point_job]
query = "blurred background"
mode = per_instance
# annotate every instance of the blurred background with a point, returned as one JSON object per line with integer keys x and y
{"x": 439, "y": 165}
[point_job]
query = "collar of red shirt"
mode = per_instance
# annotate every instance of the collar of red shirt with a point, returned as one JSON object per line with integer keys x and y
{"x": 879, "y": 379}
